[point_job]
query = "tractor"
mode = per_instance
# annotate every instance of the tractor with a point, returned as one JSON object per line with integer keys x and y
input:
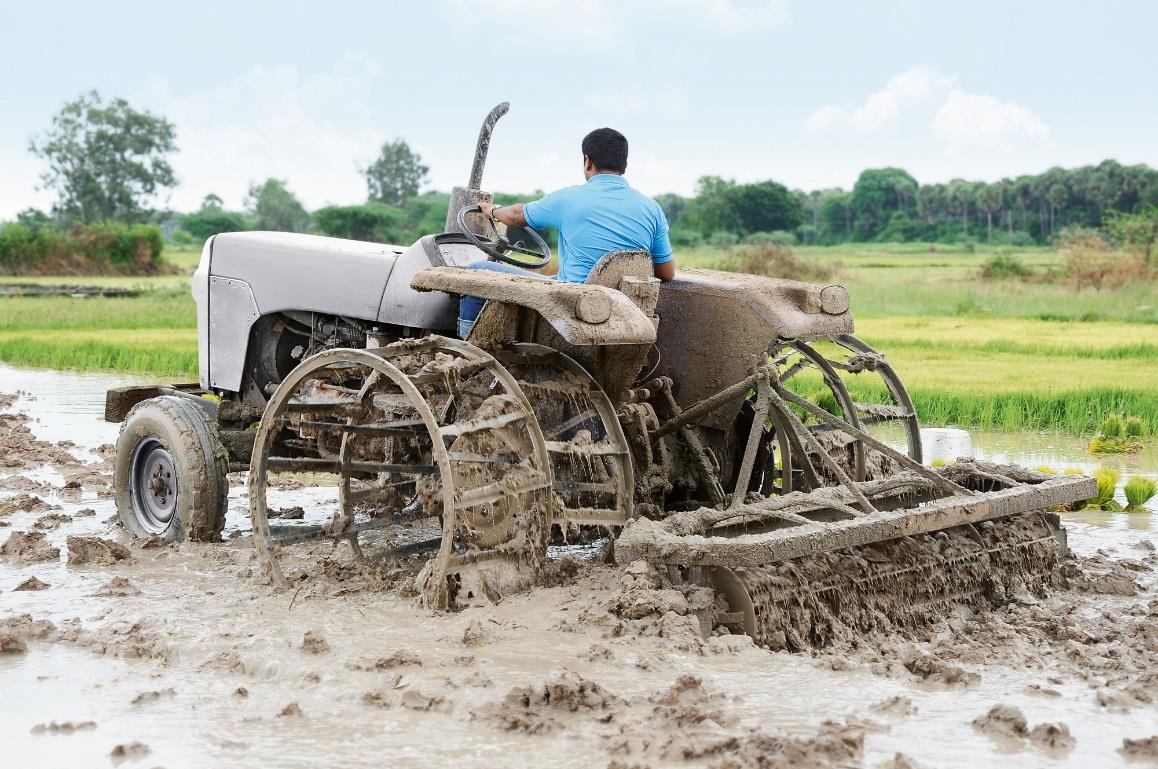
{"x": 719, "y": 424}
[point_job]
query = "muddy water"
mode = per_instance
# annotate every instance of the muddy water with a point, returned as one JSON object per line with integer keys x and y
{"x": 165, "y": 667}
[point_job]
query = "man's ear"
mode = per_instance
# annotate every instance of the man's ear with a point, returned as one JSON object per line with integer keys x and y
{"x": 587, "y": 164}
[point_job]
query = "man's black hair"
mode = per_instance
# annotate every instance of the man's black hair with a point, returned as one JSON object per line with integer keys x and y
{"x": 607, "y": 149}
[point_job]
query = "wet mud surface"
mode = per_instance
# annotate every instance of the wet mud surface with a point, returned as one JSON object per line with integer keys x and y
{"x": 126, "y": 653}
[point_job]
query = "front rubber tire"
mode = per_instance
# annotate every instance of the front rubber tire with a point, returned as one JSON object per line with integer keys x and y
{"x": 171, "y": 472}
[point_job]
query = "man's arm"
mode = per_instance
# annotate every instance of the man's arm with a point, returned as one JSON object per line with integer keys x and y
{"x": 665, "y": 271}
{"x": 663, "y": 260}
{"x": 512, "y": 216}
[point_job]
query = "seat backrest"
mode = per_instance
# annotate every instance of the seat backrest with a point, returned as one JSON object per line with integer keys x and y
{"x": 613, "y": 266}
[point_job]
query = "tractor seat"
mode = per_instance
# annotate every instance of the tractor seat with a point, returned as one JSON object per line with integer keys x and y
{"x": 631, "y": 273}
{"x": 613, "y": 266}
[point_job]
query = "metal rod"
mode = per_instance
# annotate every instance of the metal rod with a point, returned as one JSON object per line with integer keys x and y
{"x": 888, "y": 451}
{"x": 708, "y": 405}
{"x": 744, "y": 478}
{"x": 306, "y": 464}
{"x": 825, "y": 458}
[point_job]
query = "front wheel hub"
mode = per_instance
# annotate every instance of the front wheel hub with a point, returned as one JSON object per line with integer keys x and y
{"x": 154, "y": 485}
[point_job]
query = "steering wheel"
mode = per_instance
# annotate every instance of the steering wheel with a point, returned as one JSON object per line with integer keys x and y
{"x": 497, "y": 247}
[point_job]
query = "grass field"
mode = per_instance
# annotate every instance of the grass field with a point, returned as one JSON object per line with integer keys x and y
{"x": 1010, "y": 355}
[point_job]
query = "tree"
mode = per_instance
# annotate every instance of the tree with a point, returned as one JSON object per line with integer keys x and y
{"x": 990, "y": 199}
{"x": 106, "y": 161}
{"x": 211, "y": 220}
{"x": 396, "y": 175}
{"x": 711, "y": 209}
{"x": 212, "y": 200}
{"x": 879, "y": 192}
{"x": 371, "y": 221}
{"x": 1137, "y": 231}
{"x": 274, "y": 207}
{"x": 765, "y": 207}
{"x": 835, "y": 216}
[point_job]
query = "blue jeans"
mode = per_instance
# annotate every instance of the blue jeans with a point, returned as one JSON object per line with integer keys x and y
{"x": 470, "y": 306}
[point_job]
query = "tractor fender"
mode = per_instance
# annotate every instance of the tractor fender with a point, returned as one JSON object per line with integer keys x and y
{"x": 582, "y": 314}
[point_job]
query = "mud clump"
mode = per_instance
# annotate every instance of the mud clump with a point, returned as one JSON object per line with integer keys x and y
{"x": 96, "y": 551}
{"x": 12, "y": 642}
{"x": 1145, "y": 749}
{"x": 24, "y": 503}
{"x": 685, "y": 721}
{"x": 642, "y": 594}
{"x": 930, "y": 667}
{"x": 398, "y": 659}
{"x": 51, "y": 521}
{"x": 835, "y": 746}
{"x": 118, "y": 587}
{"x": 1052, "y": 738}
{"x": 1003, "y": 721}
{"x": 65, "y": 727}
{"x": 145, "y": 698}
{"x": 314, "y": 642}
{"x": 542, "y": 709}
{"x": 32, "y": 583}
{"x": 290, "y": 711}
{"x": 130, "y": 751}
{"x": 29, "y": 546}
{"x": 295, "y": 513}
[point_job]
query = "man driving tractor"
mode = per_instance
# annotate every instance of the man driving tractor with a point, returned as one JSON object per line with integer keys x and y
{"x": 604, "y": 214}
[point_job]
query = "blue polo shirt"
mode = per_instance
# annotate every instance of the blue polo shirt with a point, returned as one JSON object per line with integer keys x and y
{"x": 605, "y": 214}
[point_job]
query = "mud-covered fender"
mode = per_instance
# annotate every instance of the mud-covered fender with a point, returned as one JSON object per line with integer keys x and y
{"x": 582, "y": 314}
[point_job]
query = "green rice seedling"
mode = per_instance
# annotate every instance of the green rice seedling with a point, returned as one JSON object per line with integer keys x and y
{"x": 1138, "y": 492}
{"x": 1046, "y": 470}
{"x": 937, "y": 463}
{"x": 1134, "y": 427}
{"x": 1073, "y": 471}
{"x": 1112, "y": 427}
{"x": 1107, "y": 479}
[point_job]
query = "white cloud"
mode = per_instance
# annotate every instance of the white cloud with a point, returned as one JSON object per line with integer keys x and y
{"x": 920, "y": 99}
{"x": 911, "y": 86}
{"x": 985, "y": 122}
{"x": 828, "y": 116}
{"x": 274, "y": 121}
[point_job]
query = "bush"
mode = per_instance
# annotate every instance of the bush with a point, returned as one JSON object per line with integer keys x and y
{"x": 723, "y": 239}
{"x": 95, "y": 249}
{"x": 683, "y": 238}
{"x": 1003, "y": 266}
{"x": 1017, "y": 238}
{"x": 780, "y": 237}
{"x": 775, "y": 261}
{"x": 1091, "y": 260}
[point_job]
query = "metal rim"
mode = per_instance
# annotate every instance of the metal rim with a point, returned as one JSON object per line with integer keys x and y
{"x": 153, "y": 485}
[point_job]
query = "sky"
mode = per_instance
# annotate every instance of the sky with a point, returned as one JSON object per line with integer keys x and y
{"x": 806, "y": 93}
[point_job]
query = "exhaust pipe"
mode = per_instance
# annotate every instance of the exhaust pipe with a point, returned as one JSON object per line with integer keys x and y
{"x": 472, "y": 194}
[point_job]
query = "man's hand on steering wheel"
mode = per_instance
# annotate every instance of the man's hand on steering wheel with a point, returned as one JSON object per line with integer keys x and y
{"x": 497, "y": 247}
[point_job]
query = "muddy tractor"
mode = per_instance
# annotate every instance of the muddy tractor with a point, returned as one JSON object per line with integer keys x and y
{"x": 719, "y": 424}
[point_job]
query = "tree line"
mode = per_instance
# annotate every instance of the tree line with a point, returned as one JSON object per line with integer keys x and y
{"x": 107, "y": 161}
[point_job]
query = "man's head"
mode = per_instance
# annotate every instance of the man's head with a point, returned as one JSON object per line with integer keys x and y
{"x": 604, "y": 152}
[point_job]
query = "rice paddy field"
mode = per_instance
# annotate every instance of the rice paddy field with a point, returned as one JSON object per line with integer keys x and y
{"x": 1007, "y": 354}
